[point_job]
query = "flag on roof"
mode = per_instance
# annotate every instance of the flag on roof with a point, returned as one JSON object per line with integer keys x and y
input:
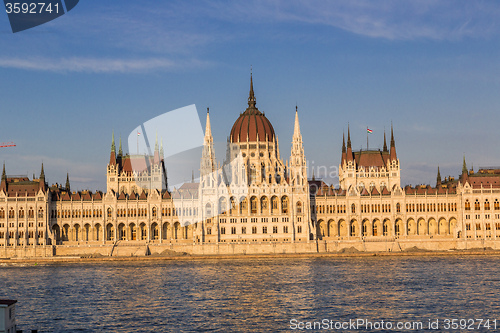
{"x": 138, "y": 134}
{"x": 369, "y": 130}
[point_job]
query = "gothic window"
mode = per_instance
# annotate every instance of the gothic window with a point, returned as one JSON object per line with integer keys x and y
{"x": 299, "y": 207}
{"x": 477, "y": 206}
{"x": 153, "y": 212}
{"x": 222, "y": 205}
{"x": 2, "y": 213}
{"x": 264, "y": 204}
{"x": 208, "y": 210}
{"x": 109, "y": 212}
{"x": 253, "y": 205}
{"x": 243, "y": 205}
{"x": 284, "y": 205}
{"x": 274, "y": 205}
{"x": 497, "y": 204}
{"x": 40, "y": 213}
{"x": 467, "y": 205}
{"x": 487, "y": 205}
{"x": 353, "y": 209}
{"x": 31, "y": 213}
{"x": 21, "y": 213}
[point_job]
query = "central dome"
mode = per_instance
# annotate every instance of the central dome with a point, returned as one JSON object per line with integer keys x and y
{"x": 252, "y": 125}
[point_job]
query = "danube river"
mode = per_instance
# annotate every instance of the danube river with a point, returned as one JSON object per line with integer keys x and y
{"x": 258, "y": 295}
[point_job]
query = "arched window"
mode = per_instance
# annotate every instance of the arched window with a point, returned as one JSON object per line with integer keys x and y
{"x": 299, "y": 207}
{"x": 477, "y": 206}
{"x": 264, "y": 205}
{"x": 110, "y": 211}
{"x": 243, "y": 205}
{"x": 40, "y": 213}
{"x": 153, "y": 212}
{"x": 467, "y": 205}
{"x": 2, "y": 213}
{"x": 497, "y": 204}
{"x": 11, "y": 213}
{"x": 274, "y": 205}
{"x": 208, "y": 210}
{"x": 253, "y": 205}
{"x": 21, "y": 213}
{"x": 222, "y": 205}
{"x": 31, "y": 213}
{"x": 353, "y": 209}
{"x": 284, "y": 205}
{"x": 486, "y": 205}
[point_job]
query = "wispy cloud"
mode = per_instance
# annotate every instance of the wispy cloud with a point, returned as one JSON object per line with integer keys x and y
{"x": 389, "y": 19}
{"x": 97, "y": 65}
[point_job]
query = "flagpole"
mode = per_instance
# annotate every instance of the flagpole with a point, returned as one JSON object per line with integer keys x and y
{"x": 367, "y": 138}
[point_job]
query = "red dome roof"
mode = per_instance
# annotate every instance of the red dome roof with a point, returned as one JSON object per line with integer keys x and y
{"x": 252, "y": 123}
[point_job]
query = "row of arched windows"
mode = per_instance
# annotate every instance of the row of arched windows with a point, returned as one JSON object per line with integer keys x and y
{"x": 486, "y": 205}
{"x": 257, "y": 206}
{"x": 21, "y": 214}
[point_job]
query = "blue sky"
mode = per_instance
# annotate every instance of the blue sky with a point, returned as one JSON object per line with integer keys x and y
{"x": 430, "y": 67}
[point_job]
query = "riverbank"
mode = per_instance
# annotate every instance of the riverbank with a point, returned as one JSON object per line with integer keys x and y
{"x": 187, "y": 257}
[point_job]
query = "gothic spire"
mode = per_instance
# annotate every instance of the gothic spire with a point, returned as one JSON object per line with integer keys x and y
{"x": 385, "y": 143}
{"x": 42, "y": 173}
{"x": 4, "y": 176}
{"x": 156, "y": 142}
{"x": 438, "y": 180}
{"x": 67, "y": 182}
{"x": 208, "y": 129}
{"x": 464, "y": 167}
{"x": 343, "y": 143}
{"x": 393, "y": 142}
{"x": 296, "y": 130}
{"x": 251, "y": 96}
{"x": 120, "y": 151}
{"x": 393, "y": 146}
{"x": 348, "y": 137}
{"x": 113, "y": 147}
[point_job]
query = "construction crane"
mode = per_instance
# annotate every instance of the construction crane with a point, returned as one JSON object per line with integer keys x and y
{"x": 7, "y": 144}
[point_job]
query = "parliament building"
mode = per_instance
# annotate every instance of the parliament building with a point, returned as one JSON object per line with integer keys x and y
{"x": 252, "y": 202}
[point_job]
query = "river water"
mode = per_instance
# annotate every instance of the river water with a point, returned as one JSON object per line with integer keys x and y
{"x": 257, "y": 295}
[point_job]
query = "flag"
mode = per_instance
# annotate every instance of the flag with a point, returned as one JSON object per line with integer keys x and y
{"x": 138, "y": 134}
{"x": 369, "y": 130}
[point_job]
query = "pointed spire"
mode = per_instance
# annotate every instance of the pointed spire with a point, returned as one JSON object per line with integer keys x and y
{"x": 348, "y": 137}
{"x": 313, "y": 178}
{"x": 296, "y": 131}
{"x": 464, "y": 167}
{"x": 161, "y": 149}
{"x": 120, "y": 151}
{"x": 156, "y": 142}
{"x": 112, "y": 155}
{"x": 192, "y": 176}
{"x": 438, "y": 180}
{"x": 68, "y": 188}
{"x": 42, "y": 173}
{"x": 385, "y": 143}
{"x": 208, "y": 129}
{"x": 393, "y": 146}
{"x": 251, "y": 96}
{"x": 393, "y": 142}
{"x": 3, "y": 183}
{"x": 113, "y": 147}
{"x": 343, "y": 143}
